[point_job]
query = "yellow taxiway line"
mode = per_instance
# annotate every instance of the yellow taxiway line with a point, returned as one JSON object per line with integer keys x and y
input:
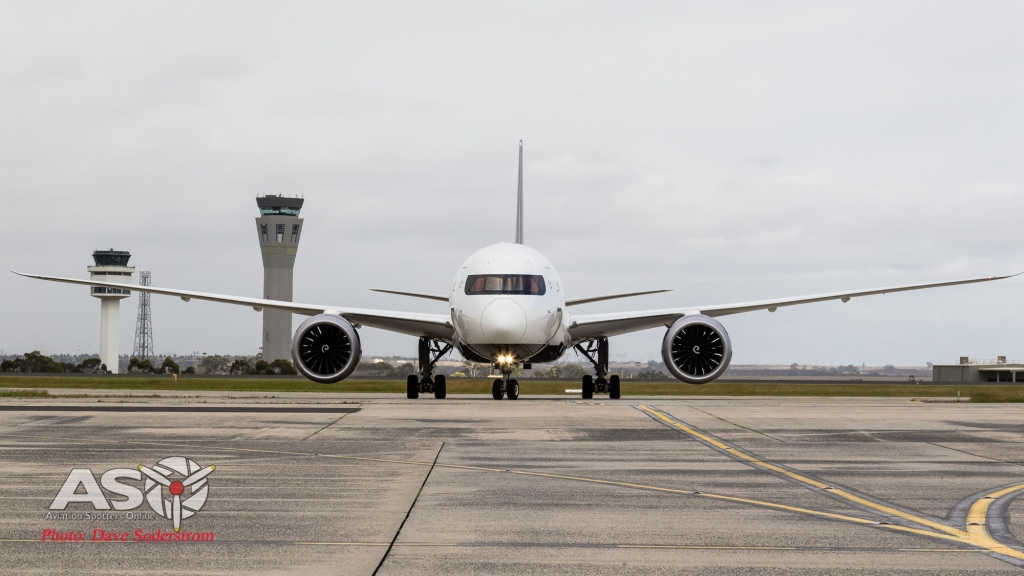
{"x": 976, "y": 534}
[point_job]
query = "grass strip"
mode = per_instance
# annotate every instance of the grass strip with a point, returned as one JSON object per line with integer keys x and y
{"x": 24, "y": 394}
{"x": 998, "y": 394}
{"x": 32, "y": 386}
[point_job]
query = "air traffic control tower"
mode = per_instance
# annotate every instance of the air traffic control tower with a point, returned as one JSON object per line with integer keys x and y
{"x": 111, "y": 266}
{"x": 279, "y": 228}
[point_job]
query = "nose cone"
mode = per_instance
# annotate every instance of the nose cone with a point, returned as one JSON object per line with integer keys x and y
{"x": 503, "y": 322}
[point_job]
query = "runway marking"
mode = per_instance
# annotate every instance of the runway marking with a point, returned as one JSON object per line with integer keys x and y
{"x": 976, "y": 534}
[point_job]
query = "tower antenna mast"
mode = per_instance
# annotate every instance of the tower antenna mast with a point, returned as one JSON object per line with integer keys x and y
{"x": 144, "y": 324}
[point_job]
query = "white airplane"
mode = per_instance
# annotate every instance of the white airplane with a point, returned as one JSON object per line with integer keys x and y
{"x": 507, "y": 308}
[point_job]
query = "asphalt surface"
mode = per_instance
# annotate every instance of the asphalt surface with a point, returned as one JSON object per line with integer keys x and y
{"x": 379, "y": 484}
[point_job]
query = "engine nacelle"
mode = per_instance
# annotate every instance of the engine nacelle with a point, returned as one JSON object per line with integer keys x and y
{"x": 326, "y": 348}
{"x": 696, "y": 349}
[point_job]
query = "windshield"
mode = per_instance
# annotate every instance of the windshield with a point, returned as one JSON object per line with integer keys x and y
{"x": 505, "y": 284}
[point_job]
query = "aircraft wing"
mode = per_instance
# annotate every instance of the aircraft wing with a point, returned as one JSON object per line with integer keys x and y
{"x": 437, "y": 297}
{"x": 588, "y": 300}
{"x": 411, "y": 323}
{"x": 586, "y": 326}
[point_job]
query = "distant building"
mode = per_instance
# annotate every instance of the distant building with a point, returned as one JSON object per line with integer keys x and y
{"x": 279, "y": 229}
{"x": 968, "y": 370}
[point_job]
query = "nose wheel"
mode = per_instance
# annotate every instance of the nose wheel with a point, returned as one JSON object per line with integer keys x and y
{"x": 512, "y": 389}
{"x": 501, "y": 388}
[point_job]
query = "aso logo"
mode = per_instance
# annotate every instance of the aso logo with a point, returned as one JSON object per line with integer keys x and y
{"x": 175, "y": 488}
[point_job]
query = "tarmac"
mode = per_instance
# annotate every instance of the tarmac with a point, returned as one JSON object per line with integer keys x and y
{"x": 377, "y": 484}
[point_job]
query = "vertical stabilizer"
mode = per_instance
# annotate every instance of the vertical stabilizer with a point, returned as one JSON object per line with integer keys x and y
{"x": 519, "y": 204}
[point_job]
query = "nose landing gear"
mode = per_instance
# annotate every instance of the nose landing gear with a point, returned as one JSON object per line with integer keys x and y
{"x": 512, "y": 389}
{"x": 597, "y": 352}
{"x": 505, "y": 387}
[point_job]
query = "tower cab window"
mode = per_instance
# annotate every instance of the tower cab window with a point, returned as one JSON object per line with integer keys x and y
{"x": 505, "y": 284}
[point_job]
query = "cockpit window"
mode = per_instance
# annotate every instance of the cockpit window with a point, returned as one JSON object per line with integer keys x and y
{"x": 505, "y": 284}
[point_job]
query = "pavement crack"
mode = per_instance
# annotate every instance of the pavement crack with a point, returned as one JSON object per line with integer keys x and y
{"x": 734, "y": 424}
{"x": 407, "y": 514}
{"x": 325, "y": 427}
{"x": 971, "y": 453}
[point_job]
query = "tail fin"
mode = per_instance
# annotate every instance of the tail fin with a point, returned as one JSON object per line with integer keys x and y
{"x": 519, "y": 205}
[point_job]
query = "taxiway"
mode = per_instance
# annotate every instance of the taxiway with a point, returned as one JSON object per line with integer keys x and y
{"x": 364, "y": 484}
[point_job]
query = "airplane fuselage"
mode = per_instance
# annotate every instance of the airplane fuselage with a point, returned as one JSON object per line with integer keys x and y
{"x": 507, "y": 306}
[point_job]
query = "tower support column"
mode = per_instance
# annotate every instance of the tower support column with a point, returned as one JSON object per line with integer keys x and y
{"x": 110, "y": 317}
{"x": 277, "y": 324}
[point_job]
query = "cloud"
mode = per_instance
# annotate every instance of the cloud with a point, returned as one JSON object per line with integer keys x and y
{"x": 727, "y": 154}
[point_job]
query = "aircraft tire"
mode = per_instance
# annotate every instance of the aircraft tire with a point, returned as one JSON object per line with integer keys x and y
{"x": 512, "y": 389}
{"x": 588, "y": 387}
{"x": 614, "y": 390}
{"x": 496, "y": 390}
{"x": 412, "y": 387}
{"x": 440, "y": 387}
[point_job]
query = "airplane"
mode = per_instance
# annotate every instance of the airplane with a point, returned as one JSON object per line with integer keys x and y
{"x": 507, "y": 307}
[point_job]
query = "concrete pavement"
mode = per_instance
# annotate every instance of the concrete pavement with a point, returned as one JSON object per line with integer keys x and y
{"x": 470, "y": 485}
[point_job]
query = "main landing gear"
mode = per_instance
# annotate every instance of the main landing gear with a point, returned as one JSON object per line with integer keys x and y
{"x": 597, "y": 352}
{"x": 430, "y": 352}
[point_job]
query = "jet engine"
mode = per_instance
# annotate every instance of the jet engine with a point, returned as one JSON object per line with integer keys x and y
{"x": 326, "y": 348}
{"x": 696, "y": 349}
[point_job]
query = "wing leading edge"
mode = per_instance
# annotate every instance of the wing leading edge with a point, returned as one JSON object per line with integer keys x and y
{"x": 437, "y": 297}
{"x": 613, "y": 324}
{"x": 589, "y": 299}
{"x": 411, "y": 323}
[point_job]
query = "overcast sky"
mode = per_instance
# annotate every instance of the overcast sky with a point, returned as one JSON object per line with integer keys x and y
{"x": 729, "y": 151}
